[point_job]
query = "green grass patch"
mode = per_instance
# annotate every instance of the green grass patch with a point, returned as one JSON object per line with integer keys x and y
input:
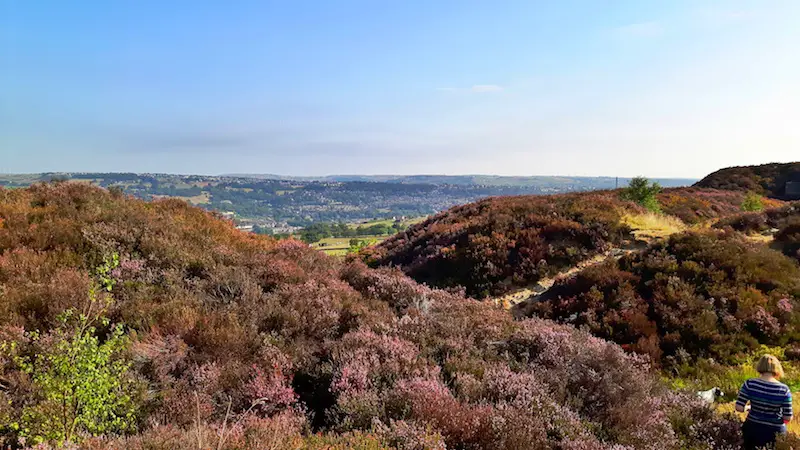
{"x": 340, "y": 246}
{"x": 706, "y": 374}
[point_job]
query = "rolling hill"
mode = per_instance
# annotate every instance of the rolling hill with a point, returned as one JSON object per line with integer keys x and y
{"x": 282, "y": 204}
{"x": 768, "y": 179}
{"x": 500, "y": 244}
{"x": 197, "y": 334}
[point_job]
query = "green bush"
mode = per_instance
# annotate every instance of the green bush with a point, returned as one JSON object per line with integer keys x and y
{"x": 752, "y": 202}
{"x": 640, "y": 190}
{"x": 80, "y": 383}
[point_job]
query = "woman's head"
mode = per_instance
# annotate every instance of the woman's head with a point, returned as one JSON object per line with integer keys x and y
{"x": 769, "y": 364}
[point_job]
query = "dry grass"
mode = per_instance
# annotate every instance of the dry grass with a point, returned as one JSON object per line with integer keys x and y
{"x": 793, "y": 427}
{"x": 760, "y": 238}
{"x": 649, "y": 226}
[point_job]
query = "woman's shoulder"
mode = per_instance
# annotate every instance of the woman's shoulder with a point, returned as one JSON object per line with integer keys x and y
{"x": 772, "y": 385}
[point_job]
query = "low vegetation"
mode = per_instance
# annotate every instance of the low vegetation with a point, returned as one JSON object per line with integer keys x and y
{"x": 768, "y": 179}
{"x": 319, "y": 231}
{"x": 494, "y": 245}
{"x": 207, "y": 337}
{"x": 696, "y": 295}
{"x": 500, "y": 244}
{"x": 752, "y": 202}
{"x": 695, "y": 206}
{"x": 782, "y": 223}
{"x": 649, "y": 226}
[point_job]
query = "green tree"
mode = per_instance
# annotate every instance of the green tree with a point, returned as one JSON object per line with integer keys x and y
{"x": 752, "y": 202}
{"x": 356, "y": 245}
{"x": 640, "y": 190}
{"x": 81, "y": 382}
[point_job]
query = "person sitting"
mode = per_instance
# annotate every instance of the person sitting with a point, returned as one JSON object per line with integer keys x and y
{"x": 770, "y": 405}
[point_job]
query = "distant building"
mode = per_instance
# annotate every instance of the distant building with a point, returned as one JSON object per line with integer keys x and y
{"x": 793, "y": 189}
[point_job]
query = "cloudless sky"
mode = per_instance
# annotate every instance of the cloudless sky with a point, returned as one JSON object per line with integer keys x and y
{"x": 675, "y": 88}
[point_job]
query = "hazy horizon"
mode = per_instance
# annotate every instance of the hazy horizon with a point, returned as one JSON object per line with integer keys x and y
{"x": 310, "y": 88}
{"x": 329, "y": 175}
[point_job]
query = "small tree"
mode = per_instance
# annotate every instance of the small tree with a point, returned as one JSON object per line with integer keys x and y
{"x": 81, "y": 383}
{"x": 356, "y": 245}
{"x": 752, "y": 202}
{"x": 640, "y": 190}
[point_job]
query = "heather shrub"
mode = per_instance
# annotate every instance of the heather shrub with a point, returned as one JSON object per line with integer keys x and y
{"x": 281, "y": 432}
{"x": 404, "y": 435}
{"x": 695, "y": 205}
{"x": 239, "y": 341}
{"x": 750, "y": 223}
{"x": 701, "y": 427}
{"x": 700, "y": 295}
{"x": 493, "y": 245}
{"x": 766, "y": 179}
{"x": 788, "y": 237}
{"x": 788, "y": 441}
{"x": 758, "y": 222}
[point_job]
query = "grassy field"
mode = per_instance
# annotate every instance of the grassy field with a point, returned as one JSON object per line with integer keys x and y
{"x": 388, "y": 222}
{"x": 339, "y": 246}
{"x": 201, "y": 199}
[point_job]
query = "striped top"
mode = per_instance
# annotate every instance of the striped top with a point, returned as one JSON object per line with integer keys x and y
{"x": 769, "y": 401}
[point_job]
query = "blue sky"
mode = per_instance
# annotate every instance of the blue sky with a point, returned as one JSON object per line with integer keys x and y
{"x": 668, "y": 89}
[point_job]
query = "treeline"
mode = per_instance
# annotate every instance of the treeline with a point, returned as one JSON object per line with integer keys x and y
{"x": 319, "y": 231}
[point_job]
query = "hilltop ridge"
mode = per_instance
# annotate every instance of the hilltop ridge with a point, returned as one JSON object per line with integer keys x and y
{"x": 767, "y": 179}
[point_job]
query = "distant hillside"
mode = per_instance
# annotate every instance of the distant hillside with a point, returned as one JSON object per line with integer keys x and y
{"x": 768, "y": 179}
{"x": 561, "y": 183}
{"x": 281, "y": 205}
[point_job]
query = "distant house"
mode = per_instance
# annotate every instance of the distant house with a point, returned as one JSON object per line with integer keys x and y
{"x": 793, "y": 190}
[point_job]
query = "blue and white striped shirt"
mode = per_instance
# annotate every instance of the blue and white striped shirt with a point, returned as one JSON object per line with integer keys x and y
{"x": 769, "y": 401}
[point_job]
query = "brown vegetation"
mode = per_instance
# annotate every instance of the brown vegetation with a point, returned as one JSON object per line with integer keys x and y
{"x": 493, "y": 245}
{"x": 768, "y": 179}
{"x": 239, "y": 341}
{"x": 707, "y": 295}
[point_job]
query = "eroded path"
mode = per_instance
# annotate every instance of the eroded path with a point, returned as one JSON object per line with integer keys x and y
{"x": 646, "y": 229}
{"x": 535, "y": 291}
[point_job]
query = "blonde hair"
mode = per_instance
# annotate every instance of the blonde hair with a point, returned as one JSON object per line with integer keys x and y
{"x": 770, "y": 364}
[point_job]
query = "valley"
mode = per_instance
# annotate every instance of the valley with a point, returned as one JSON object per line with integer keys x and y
{"x": 468, "y": 329}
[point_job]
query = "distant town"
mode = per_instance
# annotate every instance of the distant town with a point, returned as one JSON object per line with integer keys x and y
{"x": 282, "y": 205}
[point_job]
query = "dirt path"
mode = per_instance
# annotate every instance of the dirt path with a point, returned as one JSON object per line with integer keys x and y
{"x": 534, "y": 291}
{"x": 646, "y": 229}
